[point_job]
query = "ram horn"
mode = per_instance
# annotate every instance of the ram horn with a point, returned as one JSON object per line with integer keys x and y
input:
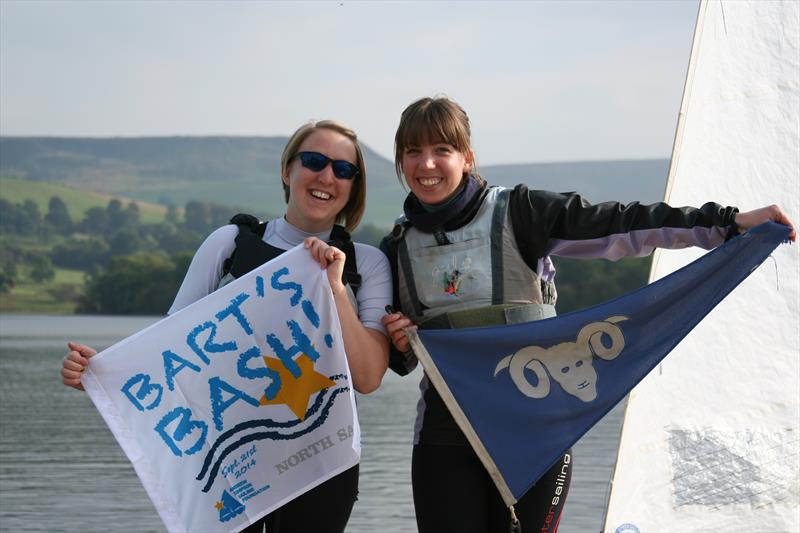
{"x": 527, "y": 357}
{"x": 591, "y": 335}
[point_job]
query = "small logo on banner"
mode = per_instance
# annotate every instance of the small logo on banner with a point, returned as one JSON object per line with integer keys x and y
{"x": 627, "y": 528}
{"x": 229, "y": 507}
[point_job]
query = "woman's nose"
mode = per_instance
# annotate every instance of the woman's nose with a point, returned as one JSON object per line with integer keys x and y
{"x": 326, "y": 174}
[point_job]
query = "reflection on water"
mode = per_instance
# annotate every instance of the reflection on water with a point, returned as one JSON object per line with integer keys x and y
{"x": 62, "y": 470}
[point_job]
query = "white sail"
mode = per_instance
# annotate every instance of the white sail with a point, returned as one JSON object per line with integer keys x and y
{"x": 711, "y": 438}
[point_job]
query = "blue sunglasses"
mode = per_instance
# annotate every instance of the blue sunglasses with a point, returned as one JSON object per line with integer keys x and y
{"x": 315, "y": 161}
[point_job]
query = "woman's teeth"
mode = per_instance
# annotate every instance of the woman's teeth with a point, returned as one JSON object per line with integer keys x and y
{"x": 429, "y": 182}
{"x": 321, "y": 195}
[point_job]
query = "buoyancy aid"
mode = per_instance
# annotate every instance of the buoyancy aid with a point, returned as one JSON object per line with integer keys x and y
{"x": 251, "y": 252}
{"x": 469, "y": 276}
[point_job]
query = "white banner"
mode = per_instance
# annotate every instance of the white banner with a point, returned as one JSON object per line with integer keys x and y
{"x": 236, "y": 404}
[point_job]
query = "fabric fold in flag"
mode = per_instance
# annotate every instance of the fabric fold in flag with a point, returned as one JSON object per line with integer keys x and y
{"x": 524, "y": 393}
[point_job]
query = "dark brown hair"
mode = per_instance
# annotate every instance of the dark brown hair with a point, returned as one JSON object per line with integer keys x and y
{"x": 432, "y": 120}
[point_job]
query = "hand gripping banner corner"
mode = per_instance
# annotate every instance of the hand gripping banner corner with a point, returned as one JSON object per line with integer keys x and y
{"x": 524, "y": 393}
{"x": 236, "y": 404}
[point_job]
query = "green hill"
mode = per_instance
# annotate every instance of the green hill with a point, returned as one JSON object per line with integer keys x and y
{"x": 223, "y": 172}
{"x": 244, "y": 171}
{"x": 241, "y": 171}
{"x": 77, "y": 201}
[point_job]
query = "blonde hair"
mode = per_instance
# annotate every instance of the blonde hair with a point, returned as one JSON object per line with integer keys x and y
{"x": 351, "y": 214}
{"x": 432, "y": 120}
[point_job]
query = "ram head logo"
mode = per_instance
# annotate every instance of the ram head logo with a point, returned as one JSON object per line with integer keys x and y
{"x": 569, "y": 363}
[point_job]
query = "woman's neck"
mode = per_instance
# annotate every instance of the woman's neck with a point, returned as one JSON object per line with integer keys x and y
{"x": 294, "y": 235}
{"x": 451, "y": 214}
{"x": 310, "y": 226}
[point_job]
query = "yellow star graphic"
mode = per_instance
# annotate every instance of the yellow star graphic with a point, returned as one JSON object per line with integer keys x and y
{"x": 295, "y": 392}
{"x": 219, "y": 506}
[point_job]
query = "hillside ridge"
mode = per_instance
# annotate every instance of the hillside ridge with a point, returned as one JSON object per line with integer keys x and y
{"x": 245, "y": 171}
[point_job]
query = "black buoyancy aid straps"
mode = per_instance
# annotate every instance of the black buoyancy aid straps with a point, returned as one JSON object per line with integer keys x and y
{"x": 400, "y": 249}
{"x": 251, "y": 251}
{"x": 408, "y": 274}
{"x": 496, "y": 238}
{"x": 340, "y": 238}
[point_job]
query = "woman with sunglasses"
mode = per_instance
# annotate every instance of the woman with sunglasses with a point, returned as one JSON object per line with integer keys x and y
{"x": 324, "y": 182}
{"x": 441, "y": 252}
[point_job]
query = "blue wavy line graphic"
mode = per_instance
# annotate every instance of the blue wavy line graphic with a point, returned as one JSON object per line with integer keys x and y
{"x": 271, "y": 435}
{"x": 262, "y": 423}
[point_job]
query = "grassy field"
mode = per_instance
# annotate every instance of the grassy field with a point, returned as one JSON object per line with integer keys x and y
{"x": 60, "y": 295}
{"x": 57, "y": 297}
{"x": 78, "y": 201}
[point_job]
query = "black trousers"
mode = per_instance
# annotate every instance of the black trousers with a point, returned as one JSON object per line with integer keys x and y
{"x": 454, "y": 493}
{"x": 324, "y": 509}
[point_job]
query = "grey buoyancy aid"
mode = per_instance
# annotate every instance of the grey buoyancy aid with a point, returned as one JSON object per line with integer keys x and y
{"x": 475, "y": 267}
{"x": 251, "y": 251}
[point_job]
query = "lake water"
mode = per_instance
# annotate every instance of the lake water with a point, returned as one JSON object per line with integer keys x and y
{"x": 62, "y": 470}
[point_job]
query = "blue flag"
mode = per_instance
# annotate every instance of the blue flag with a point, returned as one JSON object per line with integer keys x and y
{"x": 524, "y": 393}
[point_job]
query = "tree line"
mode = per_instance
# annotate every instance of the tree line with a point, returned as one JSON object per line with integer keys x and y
{"x": 130, "y": 267}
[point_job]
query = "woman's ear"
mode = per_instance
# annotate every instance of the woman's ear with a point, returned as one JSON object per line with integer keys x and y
{"x": 469, "y": 160}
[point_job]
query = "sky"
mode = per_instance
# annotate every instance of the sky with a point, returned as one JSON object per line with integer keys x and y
{"x": 541, "y": 81}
